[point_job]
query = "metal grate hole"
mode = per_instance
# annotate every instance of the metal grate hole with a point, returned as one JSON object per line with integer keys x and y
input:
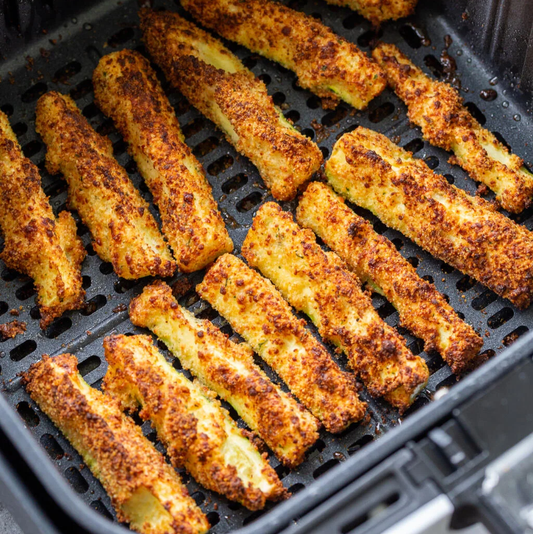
{"x": 249, "y": 202}
{"x": 28, "y": 415}
{"x": 411, "y": 35}
{"x": 309, "y": 132}
{"x": 381, "y": 112}
{"x": 106, "y": 268}
{"x": 379, "y": 227}
{"x": 119, "y": 147}
{"x": 122, "y": 285}
{"x": 198, "y": 497}
{"x": 106, "y": 128}
{"x": 434, "y": 65}
{"x": 351, "y": 21}
{"x": 313, "y": 102}
{"x": 279, "y": 98}
{"x": 58, "y": 327}
{"x": 510, "y": 338}
{"x": 181, "y": 107}
{"x": 417, "y": 346}
{"x": 249, "y": 62}
{"x": 465, "y": 283}
{"x": 189, "y": 299}
{"x": 26, "y": 291}
{"x": 121, "y": 37}
{"x": 90, "y": 250}
{"x": 428, "y": 278}
{"x": 213, "y": 518}
{"x": 265, "y": 78}
{"x": 76, "y": 480}
{"x": 24, "y": 349}
{"x": 83, "y": 88}
{"x": 64, "y": 74}
{"x": 432, "y": 162}
{"x": 34, "y": 92}
{"x": 501, "y": 139}
{"x": 93, "y": 54}
{"x": 449, "y": 178}
{"x": 292, "y": 116}
{"x": 282, "y": 471}
{"x": 193, "y": 127}
{"x": 32, "y": 148}
{"x": 295, "y": 488}
{"x": 398, "y": 243}
{"x": 7, "y": 109}
{"x": 413, "y": 261}
{"x": 369, "y": 37}
{"x": 86, "y": 282}
{"x": 325, "y": 152}
{"x": 35, "y": 313}
{"x": 90, "y": 110}
{"x": 52, "y": 447}
{"x": 89, "y": 365}
{"x": 445, "y": 268}
{"x": 476, "y": 112}
{"x": 8, "y": 275}
{"x": 56, "y": 188}
{"x": 335, "y": 116}
{"x": 500, "y": 318}
{"x": 386, "y": 310}
{"x": 206, "y": 146}
{"x": 253, "y": 516}
{"x": 360, "y": 443}
{"x": 483, "y": 300}
{"x": 221, "y": 165}
{"x": 207, "y": 313}
{"x": 101, "y": 509}
{"x": 4, "y": 306}
{"x": 232, "y": 505}
{"x": 324, "y": 468}
{"x": 131, "y": 167}
{"x": 414, "y": 146}
{"x": 20, "y": 129}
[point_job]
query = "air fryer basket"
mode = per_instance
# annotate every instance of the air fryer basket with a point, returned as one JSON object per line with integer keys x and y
{"x": 63, "y": 60}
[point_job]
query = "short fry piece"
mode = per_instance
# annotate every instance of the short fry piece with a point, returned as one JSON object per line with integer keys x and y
{"x": 317, "y": 284}
{"x": 37, "y": 243}
{"x": 218, "y": 84}
{"x": 370, "y": 170}
{"x": 145, "y": 491}
{"x": 375, "y": 260}
{"x": 228, "y": 369}
{"x": 127, "y": 90}
{"x": 438, "y": 109}
{"x": 378, "y": 11}
{"x": 123, "y": 230}
{"x": 324, "y": 62}
{"x": 197, "y": 432}
{"x": 257, "y": 312}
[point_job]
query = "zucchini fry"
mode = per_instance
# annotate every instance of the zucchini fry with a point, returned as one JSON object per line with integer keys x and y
{"x": 196, "y": 431}
{"x": 325, "y": 63}
{"x": 375, "y": 261}
{"x": 317, "y": 284}
{"x": 370, "y": 170}
{"x": 145, "y": 491}
{"x": 228, "y": 369}
{"x": 438, "y": 109}
{"x": 123, "y": 230}
{"x": 37, "y": 243}
{"x": 127, "y": 90}
{"x": 378, "y": 11}
{"x": 257, "y": 312}
{"x": 218, "y": 84}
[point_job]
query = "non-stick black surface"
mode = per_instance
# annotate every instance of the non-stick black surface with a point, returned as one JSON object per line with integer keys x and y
{"x": 64, "y": 61}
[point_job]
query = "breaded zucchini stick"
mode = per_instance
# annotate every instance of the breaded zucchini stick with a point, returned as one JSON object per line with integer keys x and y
{"x": 324, "y": 62}
{"x": 217, "y": 83}
{"x": 127, "y": 90}
{"x": 378, "y": 11}
{"x": 37, "y": 243}
{"x": 196, "y": 431}
{"x": 228, "y": 369}
{"x": 317, "y": 284}
{"x": 123, "y": 230}
{"x": 438, "y": 109}
{"x": 370, "y": 170}
{"x": 257, "y": 312}
{"x": 375, "y": 260}
{"x": 145, "y": 491}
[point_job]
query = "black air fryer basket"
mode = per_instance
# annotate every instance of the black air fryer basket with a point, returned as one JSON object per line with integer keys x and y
{"x": 434, "y": 458}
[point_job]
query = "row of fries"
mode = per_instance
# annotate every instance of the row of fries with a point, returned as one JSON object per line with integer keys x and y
{"x": 365, "y": 168}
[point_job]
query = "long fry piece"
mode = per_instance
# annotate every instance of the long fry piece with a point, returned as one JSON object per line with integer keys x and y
{"x": 123, "y": 230}
{"x": 257, "y": 312}
{"x": 145, "y": 491}
{"x": 37, "y": 243}
{"x": 197, "y": 432}
{"x": 127, "y": 90}
{"x": 228, "y": 369}
{"x": 317, "y": 284}
{"x": 324, "y": 62}
{"x": 438, "y": 109}
{"x": 375, "y": 260}
{"x": 217, "y": 83}
{"x": 370, "y": 170}
{"x": 378, "y": 11}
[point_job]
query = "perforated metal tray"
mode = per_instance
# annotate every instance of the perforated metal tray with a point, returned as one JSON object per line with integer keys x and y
{"x": 63, "y": 60}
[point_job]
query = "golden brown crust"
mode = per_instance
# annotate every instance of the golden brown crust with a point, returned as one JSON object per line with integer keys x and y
{"x": 438, "y": 109}
{"x": 123, "y": 230}
{"x": 257, "y": 312}
{"x": 374, "y": 259}
{"x": 318, "y": 284}
{"x": 215, "y": 82}
{"x": 228, "y": 368}
{"x": 325, "y": 63}
{"x": 197, "y": 432}
{"x": 113, "y": 447}
{"x": 37, "y": 243}
{"x": 464, "y": 231}
{"x": 378, "y": 11}
{"x": 127, "y": 90}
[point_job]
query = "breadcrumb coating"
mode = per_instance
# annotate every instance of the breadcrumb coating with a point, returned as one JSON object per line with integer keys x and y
{"x": 144, "y": 490}
{"x": 228, "y": 369}
{"x": 465, "y": 231}
{"x": 123, "y": 230}
{"x": 325, "y": 63}
{"x": 37, "y": 243}
{"x": 378, "y": 11}
{"x": 218, "y": 84}
{"x": 127, "y": 90}
{"x": 375, "y": 260}
{"x": 438, "y": 109}
{"x": 257, "y": 311}
{"x": 196, "y": 431}
{"x": 316, "y": 283}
